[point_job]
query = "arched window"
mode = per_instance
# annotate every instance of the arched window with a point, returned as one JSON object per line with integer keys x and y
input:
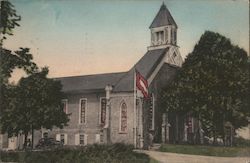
{"x": 124, "y": 118}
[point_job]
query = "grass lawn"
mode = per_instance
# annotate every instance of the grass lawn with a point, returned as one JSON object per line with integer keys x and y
{"x": 153, "y": 161}
{"x": 206, "y": 150}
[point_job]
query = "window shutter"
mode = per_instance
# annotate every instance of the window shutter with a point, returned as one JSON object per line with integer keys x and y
{"x": 58, "y": 137}
{"x": 97, "y": 138}
{"x": 77, "y": 139}
{"x": 65, "y": 139}
{"x": 85, "y": 139}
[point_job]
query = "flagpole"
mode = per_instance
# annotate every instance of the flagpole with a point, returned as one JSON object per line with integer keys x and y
{"x": 135, "y": 128}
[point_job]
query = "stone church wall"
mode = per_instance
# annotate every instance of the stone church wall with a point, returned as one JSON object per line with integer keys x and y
{"x": 116, "y": 134}
{"x": 92, "y": 125}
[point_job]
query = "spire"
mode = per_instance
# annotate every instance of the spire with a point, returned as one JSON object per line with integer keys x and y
{"x": 163, "y": 18}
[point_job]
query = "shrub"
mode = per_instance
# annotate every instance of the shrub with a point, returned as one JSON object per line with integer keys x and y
{"x": 239, "y": 141}
{"x": 116, "y": 153}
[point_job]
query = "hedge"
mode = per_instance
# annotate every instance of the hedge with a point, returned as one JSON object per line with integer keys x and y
{"x": 116, "y": 153}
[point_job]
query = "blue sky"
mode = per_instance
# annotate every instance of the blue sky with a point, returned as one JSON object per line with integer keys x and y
{"x": 77, "y": 37}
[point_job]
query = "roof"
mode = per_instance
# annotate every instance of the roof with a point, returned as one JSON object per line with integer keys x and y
{"x": 89, "y": 82}
{"x": 145, "y": 66}
{"x": 163, "y": 18}
{"x": 122, "y": 82}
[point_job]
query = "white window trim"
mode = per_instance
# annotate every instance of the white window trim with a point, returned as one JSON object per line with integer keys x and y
{"x": 66, "y": 101}
{"x": 85, "y": 139}
{"x": 120, "y": 120}
{"x": 58, "y": 137}
{"x": 100, "y": 109}
{"x": 77, "y": 139}
{"x": 86, "y": 108}
{"x": 96, "y": 136}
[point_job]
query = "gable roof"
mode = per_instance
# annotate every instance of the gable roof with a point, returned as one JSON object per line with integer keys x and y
{"x": 122, "y": 82}
{"x": 89, "y": 82}
{"x": 145, "y": 66}
{"x": 163, "y": 18}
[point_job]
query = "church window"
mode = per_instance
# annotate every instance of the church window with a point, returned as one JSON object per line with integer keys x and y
{"x": 172, "y": 36}
{"x": 65, "y": 105}
{"x": 81, "y": 139}
{"x": 123, "y": 118}
{"x": 151, "y": 113}
{"x": 62, "y": 138}
{"x": 82, "y": 110}
{"x": 159, "y": 37}
{"x": 175, "y": 36}
{"x": 166, "y": 35}
{"x": 103, "y": 111}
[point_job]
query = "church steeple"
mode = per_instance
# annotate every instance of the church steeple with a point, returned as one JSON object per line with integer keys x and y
{"x": 163, "y": 28}
{"x": 163, "y": 18}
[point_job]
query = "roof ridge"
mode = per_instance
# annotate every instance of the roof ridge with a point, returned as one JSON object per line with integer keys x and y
{"x": 145, "y": 65}
{"x": 90, "y": 75}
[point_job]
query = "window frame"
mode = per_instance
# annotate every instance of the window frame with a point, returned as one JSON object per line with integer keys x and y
{"x": 160, "y": 36}
{"x": 86, "y": 108}
{"x": 100, "y": 111}
{"x": 66, "y": 103}
{"x": 59, "y": 138}
{"x": 80, "y": 134}
{"x": 153, "y": 113}
{"x": 62, "y": 137}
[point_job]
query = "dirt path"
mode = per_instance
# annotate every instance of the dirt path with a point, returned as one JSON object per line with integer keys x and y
{"x": 165, "y": 157}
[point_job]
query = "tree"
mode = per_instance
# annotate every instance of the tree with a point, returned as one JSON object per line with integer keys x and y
{"x": 36, "y": 103}
{"x": 213, "y": 84}
{"x": 9, "y": 61}
{"x": 9, "y": 19}
{"x": 33, "y": 103}
{"x": 21, "y": 59}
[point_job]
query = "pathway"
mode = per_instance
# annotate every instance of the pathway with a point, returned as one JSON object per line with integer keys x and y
{"x": 165, "y": 157}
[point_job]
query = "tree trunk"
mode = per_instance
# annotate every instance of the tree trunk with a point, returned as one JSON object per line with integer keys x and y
{"x": 32, "y": 134}
{"x": 215, "y": 137}
{"x": 214, "y": 134}
{"x": 223, "y": 121}
{"x": 177, "y": 128}
{"x": 223, "y": 130}
{"x": 25, "y": 140}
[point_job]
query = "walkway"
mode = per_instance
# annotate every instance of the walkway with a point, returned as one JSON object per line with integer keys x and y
{"x": 165, "y": 157}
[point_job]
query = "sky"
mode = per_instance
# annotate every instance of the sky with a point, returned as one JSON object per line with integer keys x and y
{"x": 80, "y": 37}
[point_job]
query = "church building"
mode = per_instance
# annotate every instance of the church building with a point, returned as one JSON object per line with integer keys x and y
{"x": 108, "y": 108}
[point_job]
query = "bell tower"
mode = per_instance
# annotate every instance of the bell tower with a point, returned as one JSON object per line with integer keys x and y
{"x": 163, "y": 30}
